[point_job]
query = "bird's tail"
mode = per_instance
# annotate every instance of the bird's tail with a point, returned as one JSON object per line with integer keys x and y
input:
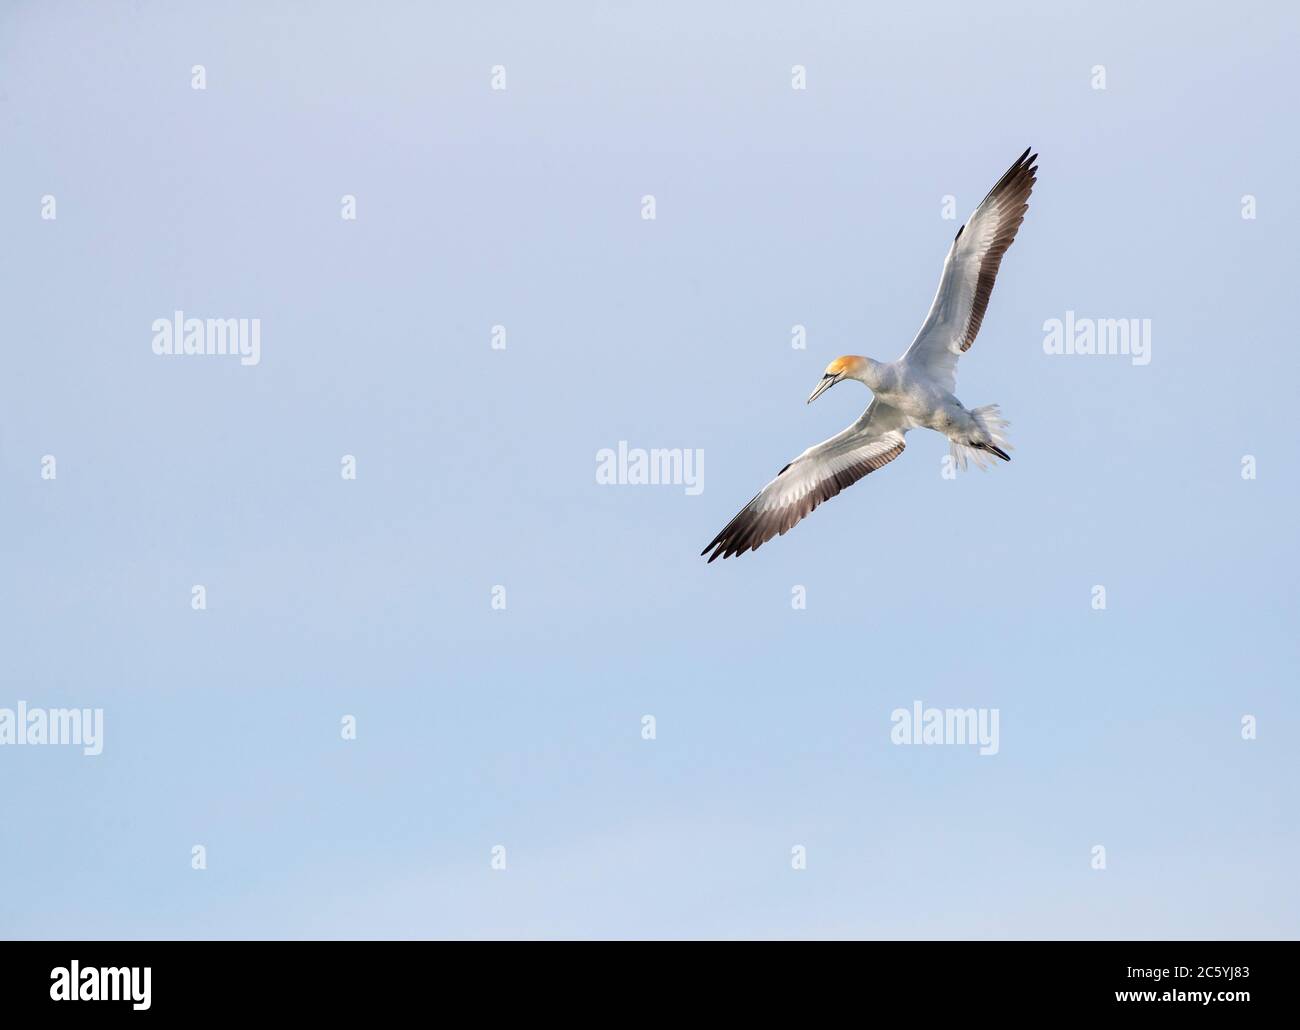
{"x": 988, "y": 439}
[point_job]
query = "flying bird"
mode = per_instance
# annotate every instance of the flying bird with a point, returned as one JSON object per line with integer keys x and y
{"x": 914, "y": 392}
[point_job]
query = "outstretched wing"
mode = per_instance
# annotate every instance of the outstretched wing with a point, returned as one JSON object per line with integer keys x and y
{"x": 969, "y": 272}
{"x": 817, "y": 475}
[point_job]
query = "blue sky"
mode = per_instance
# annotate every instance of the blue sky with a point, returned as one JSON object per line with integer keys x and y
{"x": 476, "y": 467}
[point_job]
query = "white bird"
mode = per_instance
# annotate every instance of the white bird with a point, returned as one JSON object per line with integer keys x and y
{"x": 914, "y": 392}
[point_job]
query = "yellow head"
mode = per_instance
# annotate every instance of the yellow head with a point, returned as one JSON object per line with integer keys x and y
{"x": 849, "y": 366}
{"x": 845, "y": 365}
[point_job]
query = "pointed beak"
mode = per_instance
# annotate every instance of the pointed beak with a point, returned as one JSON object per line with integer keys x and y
{"x": 827, "y": 382}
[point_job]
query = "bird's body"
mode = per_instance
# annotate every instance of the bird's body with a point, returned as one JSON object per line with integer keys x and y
{"x": 914, "y": 392}
{"x": 922, "y": 403}
{"x": 925, "y": 403}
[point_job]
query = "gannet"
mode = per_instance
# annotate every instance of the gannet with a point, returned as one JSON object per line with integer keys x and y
{"x": 914, "y": 392}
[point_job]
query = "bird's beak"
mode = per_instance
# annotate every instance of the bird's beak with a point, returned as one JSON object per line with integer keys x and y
{"x": 827, "y": 382}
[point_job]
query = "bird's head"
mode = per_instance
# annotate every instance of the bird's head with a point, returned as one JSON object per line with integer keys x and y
{"x": 850, "y": 366}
